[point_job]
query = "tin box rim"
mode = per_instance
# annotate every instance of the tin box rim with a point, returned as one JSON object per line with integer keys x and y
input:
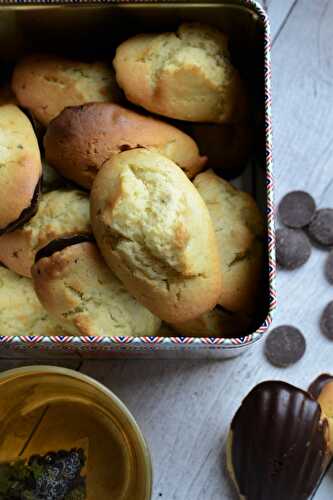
{"x": 173, "y": 342}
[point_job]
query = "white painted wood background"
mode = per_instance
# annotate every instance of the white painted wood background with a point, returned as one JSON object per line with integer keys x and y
{"x": 185, "y": 407}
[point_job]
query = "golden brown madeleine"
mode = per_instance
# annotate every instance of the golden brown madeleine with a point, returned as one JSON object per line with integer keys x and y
{"x": 278, "y": 445}
{"x": 216, "y": 323}
{"x": 21, "y": 313}
{"x": 185, "y": 75}
{"x": 61, "y": 213}
{"x": 156, "y": 234}
{"x": 326, "y": 402}
{"x": 240, "y": 230}
{"x": 318, "y": 384}
{"x": 82, "y": 138}
{"x": 322, "y": 390}
{"x": 46, "y": 84}
{"x": 79, "y": 291}
{"x": 20, "y": 168}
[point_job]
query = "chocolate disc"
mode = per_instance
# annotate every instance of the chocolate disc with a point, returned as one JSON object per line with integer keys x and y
{"x": 321, "y": 227}
{"x": 285, "y": 345}
{"x": 326, "y": 321}
{"x": 293, "y": 248}
{"x": 329, "y": 268}
{"x": 296, "y": 209}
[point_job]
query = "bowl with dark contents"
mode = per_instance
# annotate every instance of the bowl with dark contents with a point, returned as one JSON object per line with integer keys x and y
{"x": 64, "y": 436}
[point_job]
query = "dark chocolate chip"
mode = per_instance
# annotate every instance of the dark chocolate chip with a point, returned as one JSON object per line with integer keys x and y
{"x": 321, "y": 227}
{"x": 329, "y": 268}
{"x": 293, "y": 248}
{"x": 296, "y": 209}
{"x": 285, "y": 345}
{"x": 27, "y": 213}
{"x": 318, "y": 384}
{"x": 61, "y": 243}
{"x": 326, "y": 321}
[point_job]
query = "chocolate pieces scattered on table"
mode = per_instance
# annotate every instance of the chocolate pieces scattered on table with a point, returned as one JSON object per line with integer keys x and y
{"x": 329, "y": 268}
{"x": 326, "y": 321}
{"x": 293, "y": 248}
{"x": 285, "y": 345}
{"x": 296, "y": 209}
{"x": 321, "y": 227}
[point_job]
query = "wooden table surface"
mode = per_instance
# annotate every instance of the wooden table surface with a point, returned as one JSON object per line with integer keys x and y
{"x": 185, "y": 407}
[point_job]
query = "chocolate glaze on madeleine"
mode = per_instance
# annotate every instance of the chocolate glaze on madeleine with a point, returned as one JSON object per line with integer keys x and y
{"x": 60, "y": 243}
{"x": 27, "y": 213}
{"x": 322, "y": 390}
{"x": 21, "y": 168}
{"x": 60, "y": 213}
{"x": 278, "y": 446}
{"x": 319, "y": 383}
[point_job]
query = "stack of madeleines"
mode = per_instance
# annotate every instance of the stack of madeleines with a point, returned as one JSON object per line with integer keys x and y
{"x": 111, "y": 220}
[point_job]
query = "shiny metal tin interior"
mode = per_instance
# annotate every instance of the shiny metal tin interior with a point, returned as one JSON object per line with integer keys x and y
{"x": 92, "y": 30}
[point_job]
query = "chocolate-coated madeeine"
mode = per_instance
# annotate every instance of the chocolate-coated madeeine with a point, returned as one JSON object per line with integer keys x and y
{"x": 27, "y": 213}
{"x": 278, "y": 444}
{"x": 20, "y": 169}
{"x": 322, "y": 390}
{"x": 63, "y": 212}
{"x": 319, "y": 383}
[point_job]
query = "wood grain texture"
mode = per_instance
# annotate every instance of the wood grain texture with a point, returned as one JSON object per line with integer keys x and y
{"x": 278, "y": 12}
{"x": 185, "y": 407}
{"x": 8, "y": 364}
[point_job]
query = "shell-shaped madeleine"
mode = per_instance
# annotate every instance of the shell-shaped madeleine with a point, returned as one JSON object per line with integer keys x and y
{"x": 278, "y": 446}
{"x": 319, "y": 383}
{"x": 322, "y": 390}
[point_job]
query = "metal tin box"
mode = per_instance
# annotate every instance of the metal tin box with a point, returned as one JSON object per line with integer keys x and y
{"x": 95, "y": 28}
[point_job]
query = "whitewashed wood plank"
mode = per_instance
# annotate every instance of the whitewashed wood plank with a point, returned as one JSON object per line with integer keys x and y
{"x": 8, "y": 364}
{"x": 325, "y": 490}
{"x": 302, "y": 91}
{"x": 278, "y": 12}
